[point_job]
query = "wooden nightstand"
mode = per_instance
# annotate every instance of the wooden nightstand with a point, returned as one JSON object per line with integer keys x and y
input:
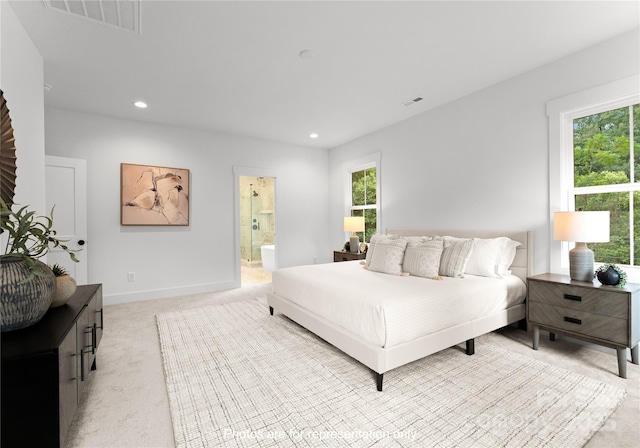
{"x": 603, "y": 315}
{"x": 340, "y": 255}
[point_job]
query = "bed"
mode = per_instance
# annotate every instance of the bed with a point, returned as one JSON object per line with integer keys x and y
{"x": 385, "y": 321}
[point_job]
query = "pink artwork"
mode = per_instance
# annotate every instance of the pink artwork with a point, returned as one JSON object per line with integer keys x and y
{"x": 154, "y": 195}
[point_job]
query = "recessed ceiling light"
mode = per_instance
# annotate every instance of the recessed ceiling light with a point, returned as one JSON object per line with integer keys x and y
{"x": 314, "y": 135}
{"x": 140, "y": 104}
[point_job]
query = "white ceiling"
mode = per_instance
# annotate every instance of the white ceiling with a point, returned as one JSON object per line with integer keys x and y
{"x": 235, "y": 66}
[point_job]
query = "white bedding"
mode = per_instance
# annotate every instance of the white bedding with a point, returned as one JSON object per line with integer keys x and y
{"x": 388, "y": 310}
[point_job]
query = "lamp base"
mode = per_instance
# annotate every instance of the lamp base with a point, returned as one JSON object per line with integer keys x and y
{"x": 354, "y": 244}
{"x": 581, "y": 263}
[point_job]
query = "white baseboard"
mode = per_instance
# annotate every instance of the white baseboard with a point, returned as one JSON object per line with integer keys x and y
{"x": 112, "y": 299}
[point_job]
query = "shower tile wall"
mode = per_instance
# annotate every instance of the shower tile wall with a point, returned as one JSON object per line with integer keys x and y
{"x": 256, "y": 217}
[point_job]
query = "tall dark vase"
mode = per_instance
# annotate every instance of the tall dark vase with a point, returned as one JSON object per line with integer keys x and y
{"x": 24, "y": 303}
{"x": 609, "y": 277}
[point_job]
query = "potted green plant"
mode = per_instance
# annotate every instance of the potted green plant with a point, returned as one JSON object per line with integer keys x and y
{"x": 27, "y": 285}
{"x": 65, "y": 286}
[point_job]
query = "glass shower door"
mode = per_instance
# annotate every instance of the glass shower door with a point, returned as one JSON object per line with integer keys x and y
{"x": 256, "y": 231}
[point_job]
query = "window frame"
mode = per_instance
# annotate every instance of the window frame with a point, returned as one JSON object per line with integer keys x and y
{"x": 561, "y": 112}
{"x": 371, "y": 161}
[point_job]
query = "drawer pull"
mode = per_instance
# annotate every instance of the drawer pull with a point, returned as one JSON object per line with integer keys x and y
{"x": 573, "y": 320}
{"x": 572, "y": 297}
{"x": 82, "y": 365}
{"x": 94, "y": 339}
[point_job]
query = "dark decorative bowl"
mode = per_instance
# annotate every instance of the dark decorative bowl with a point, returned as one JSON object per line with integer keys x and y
{"x": 609, "y": 277}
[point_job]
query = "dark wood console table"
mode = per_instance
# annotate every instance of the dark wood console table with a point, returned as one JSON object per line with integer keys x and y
{"x": 45, "y": 368}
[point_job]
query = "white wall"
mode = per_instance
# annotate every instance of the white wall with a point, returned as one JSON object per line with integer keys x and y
{"x": 170, "y": 261}
{"x": 480, "y": 162}
{"x": 21, "y": 80}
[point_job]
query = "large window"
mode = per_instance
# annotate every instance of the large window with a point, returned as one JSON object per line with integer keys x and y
{"x": 606, "y": 159}
{"x": 594, "y": 164}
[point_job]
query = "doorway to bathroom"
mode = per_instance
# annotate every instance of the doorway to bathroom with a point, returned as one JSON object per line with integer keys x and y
{"x": 257, "y": 229}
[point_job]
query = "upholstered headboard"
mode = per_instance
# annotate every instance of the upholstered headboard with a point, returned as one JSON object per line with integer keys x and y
{"x": 522, "y": 265}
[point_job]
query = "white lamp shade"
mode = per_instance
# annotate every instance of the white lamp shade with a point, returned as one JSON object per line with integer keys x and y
{"x": 354, "y": 223}
{"x": 584, "y": 227}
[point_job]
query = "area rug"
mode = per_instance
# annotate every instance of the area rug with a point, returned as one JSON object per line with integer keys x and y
{"x": 237, "y": 376}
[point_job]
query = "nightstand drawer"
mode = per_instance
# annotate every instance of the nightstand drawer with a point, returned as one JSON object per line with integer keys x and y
{"x": 593, "y": 325}
{"x": 590, "y": 300}
{"x": 339, "y": 255}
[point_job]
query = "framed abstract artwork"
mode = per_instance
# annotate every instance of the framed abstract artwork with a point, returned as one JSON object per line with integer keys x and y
{"x": 153, "y": 195}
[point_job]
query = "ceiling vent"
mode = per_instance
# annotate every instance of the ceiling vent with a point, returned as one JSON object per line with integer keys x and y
{"x": 121, "y": 14}
{"x": 413, "y": 101}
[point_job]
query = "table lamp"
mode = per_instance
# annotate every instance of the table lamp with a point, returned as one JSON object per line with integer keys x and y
{"x": 354, "y": 224}
{"x": 582, "y": 228}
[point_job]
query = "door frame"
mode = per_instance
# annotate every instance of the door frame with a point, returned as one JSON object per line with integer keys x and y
{"x": 239, "y": 171}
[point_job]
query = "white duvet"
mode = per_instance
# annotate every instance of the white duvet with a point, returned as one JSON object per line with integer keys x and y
{"x": 388, "y": 310}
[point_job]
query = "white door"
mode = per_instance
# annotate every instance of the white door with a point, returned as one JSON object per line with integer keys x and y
{"x": 66, "y": 183}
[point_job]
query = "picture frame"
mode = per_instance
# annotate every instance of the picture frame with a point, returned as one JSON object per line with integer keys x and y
{"x": 153, "y": 195}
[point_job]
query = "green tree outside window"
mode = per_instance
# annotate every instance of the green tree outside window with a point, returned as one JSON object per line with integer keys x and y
{"x": 364, "y": 201}
{"x": 606, "y": 148}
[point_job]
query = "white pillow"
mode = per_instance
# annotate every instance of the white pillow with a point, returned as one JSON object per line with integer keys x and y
{"x": 455, "y": 254}
{"x": 506, "y": 257}
{"x": 485, "y": 256}
{"x": 422, "y": 256}
{"x": 372, "y": 245}
{"x": 387, "y": 255}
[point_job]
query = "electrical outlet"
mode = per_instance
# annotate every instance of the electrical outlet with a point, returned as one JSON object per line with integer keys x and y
{"x": 131, "y": 276}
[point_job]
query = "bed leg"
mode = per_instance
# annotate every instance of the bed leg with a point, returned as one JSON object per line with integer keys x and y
{"x": 379, "y": 381}
{"x": 471, "y": 347}
{"x": 522, "y": 324}
{"x": 271, "y": 310}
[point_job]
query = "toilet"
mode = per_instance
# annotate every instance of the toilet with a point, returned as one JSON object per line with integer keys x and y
{"x": 268, "y": 254}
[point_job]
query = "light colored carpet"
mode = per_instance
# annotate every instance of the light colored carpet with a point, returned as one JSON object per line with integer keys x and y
{"x": 125, "y": 404}
{"x": 238, "y": 377}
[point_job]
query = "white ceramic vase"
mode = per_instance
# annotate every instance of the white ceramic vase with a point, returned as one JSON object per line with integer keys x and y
{"x": 65, "y": 288}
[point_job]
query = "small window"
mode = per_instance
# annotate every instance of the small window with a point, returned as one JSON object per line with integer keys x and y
{"x": 364, "y": 191}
